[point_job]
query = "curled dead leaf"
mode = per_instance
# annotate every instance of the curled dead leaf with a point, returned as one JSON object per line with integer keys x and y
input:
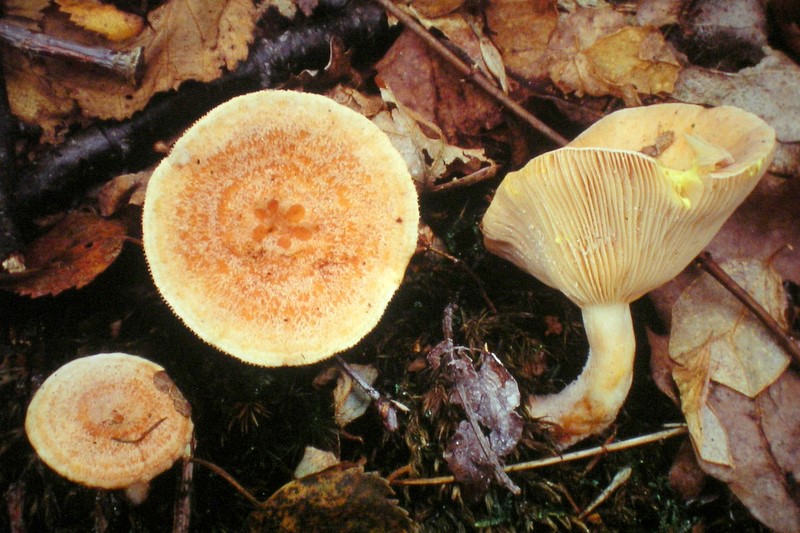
{"x": 71, "y": 254}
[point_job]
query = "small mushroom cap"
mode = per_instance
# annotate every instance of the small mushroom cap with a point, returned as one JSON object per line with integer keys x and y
{"x": 603, "y": 222}
{"x": 109, "y": 421}
{"x": 280, "y": 226}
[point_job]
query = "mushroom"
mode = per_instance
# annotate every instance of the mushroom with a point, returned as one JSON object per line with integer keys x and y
{"x": 280, "y": 226}
{"x": 605, "y": 223}
{"x": 110, "y": 421}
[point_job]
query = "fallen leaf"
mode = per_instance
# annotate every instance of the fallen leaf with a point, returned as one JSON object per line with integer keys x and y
{"x": 350, "y": 401}
{"x": 750, "y": 443}
{"x": 314, "y": 460}
{"x": 124, "y": 189}
{"x": 521, "y": 30}
{"x": 183, "y": 40}
{"x": 105, "y": 19}
{"x": 340, "y": 498}
{"x": 433, "y": 163}
{"x": 433, "y": 89}
{"x": 71, "y": 254}
{"x": 594, "y": 52}
{"x": 708, "y": 322}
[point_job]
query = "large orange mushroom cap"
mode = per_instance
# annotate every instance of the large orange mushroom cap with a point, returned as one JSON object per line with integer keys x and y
{"x": 109, "y": 421}
{"x": 280, "y": 226}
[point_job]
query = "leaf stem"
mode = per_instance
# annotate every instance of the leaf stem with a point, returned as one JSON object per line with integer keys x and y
{"x": 471, "y": 73}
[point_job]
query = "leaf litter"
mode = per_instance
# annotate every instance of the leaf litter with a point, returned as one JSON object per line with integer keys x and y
{"x": 735, "y": 388}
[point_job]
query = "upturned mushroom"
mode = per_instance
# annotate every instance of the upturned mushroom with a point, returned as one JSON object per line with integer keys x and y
{"x": 618, "y": 212}
{"x": 110, "y": 421}
{"x": 280, "y": 226}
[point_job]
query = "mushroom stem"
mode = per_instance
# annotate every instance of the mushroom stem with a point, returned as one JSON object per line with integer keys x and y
{"x": 590, "y": 404}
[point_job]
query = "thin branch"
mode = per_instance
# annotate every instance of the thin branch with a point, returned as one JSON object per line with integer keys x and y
{"x": 229, "y": 478}
{"x": 469, "y": 72}
{"x": 574, "y": 456}
{"x": 787, "y": 342}
{"x": 128, "y": 64}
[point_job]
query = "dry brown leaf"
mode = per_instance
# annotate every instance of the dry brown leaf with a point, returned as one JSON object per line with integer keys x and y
{"x": 105, "y": 19}
{"x": 709, "y": 323}
{"x": 183, "y": 40}
{"x": 764, "y": 434}
{"x": 594, "y": 52}
{"x": 748, "y": 440}
{"x": 340, "y": 498}
{"x": 521, "y": 30}
{"x": 431, "y": 161}
{"x": 314, "y": 460}
{"x": 71, "y": 254}
{"x": 350, "y": 400}
{"x": 126, "y": 188}
{"x": 424, "y": 83}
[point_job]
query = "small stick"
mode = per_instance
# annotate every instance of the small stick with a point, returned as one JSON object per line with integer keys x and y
{"x": 619, "y": 479}
{"x": 574, "y": 456}
{"x": 129, "y": 64}
{"x": 477, "y": 77}
{"x": 787, "y": 343}
{"x": 229, "y": 478}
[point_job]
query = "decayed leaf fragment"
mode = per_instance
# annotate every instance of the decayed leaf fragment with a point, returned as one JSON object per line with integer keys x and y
{"x": 595, "y": 52}
{"x": 71, "y": 254}
{"x": 340, "y": 498}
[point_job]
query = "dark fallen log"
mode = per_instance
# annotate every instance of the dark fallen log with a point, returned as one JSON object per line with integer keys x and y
{"x": 95, "y": 154}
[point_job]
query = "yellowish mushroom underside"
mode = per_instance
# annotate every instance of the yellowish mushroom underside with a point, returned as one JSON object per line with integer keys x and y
{"x": 280, "y": 226}
{"x": 109, "y": 421}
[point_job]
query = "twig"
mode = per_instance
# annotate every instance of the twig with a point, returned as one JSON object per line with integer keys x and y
{"x": 387, "y": 407}
{"x": 229, "y": 478}
{"x": 574, "y": 456}
{"x": 469, "y": 72}
{"x": 619, "y": 479}
{"x": 129, "y": 64}
{"x": 787, "y": 343}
